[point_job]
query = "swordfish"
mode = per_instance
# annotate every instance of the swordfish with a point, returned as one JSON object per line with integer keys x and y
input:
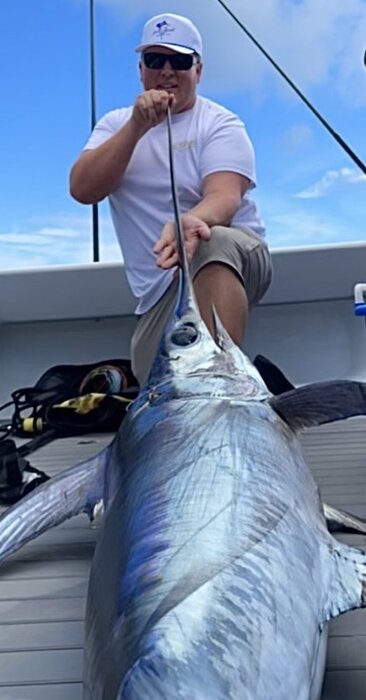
{"x": 214, "y": 574}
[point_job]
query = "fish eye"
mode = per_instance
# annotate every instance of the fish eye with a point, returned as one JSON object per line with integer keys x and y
{"x": 185, "y": 335}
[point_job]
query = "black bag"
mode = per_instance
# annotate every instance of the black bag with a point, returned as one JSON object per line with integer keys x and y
{"x": 34, "y": 407}
{"x": 66, "y": 400}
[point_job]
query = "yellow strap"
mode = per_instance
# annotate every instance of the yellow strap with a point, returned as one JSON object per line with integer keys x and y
{"x": 89, "y": 402}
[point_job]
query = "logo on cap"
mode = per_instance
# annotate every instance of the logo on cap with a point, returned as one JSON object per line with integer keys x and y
{"x": 163, "y": 28}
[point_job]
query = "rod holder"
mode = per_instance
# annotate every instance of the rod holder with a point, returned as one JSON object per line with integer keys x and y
{"x": 360, "y": 304}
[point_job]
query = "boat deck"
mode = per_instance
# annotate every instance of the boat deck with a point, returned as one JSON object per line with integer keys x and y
{"x": 43, "y": 587}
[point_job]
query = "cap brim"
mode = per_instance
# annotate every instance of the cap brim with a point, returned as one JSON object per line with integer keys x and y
{"x": 174, "y": 47}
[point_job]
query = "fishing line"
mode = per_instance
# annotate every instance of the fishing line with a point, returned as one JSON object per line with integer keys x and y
{"x": 323, "y": 121}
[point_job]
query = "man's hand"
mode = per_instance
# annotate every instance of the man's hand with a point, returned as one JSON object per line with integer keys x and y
{"x": 194, "y": 230}
{"x": 150, "y": 109}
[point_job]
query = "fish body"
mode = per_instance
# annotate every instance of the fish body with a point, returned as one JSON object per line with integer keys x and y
{"x": 215, "y": 548}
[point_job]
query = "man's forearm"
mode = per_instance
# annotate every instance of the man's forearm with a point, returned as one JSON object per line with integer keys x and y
{"x": 217, "y": 208}
{"x": 99, "y": 171}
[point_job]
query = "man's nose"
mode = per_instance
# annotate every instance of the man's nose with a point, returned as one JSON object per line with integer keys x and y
{"x": 167, "y": 67}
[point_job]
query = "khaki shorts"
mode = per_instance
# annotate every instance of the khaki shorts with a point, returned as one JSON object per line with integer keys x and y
{"x": 241, "y": 250}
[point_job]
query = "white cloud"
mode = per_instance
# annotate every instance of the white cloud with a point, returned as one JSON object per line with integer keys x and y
{"x": 42, "y": 237}
{"x": 62, "y": 239}
{"x": 301, "y": 228}
{"x": 314, "y": 41}
{"x": 292, "y": 222}
{"x": 329, "y": 179}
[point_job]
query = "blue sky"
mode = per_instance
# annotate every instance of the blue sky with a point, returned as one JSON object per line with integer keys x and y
{"x": 309, "y": 191}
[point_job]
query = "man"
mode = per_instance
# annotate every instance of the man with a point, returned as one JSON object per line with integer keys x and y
{"x": 126, "y": 159}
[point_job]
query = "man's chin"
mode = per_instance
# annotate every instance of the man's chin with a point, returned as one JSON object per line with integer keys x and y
{"x": 181, "y": 106}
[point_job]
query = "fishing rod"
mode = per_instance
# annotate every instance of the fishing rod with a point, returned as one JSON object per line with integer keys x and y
{"x": 323, "y": 121}
{"x": 177, "y": 214}
{"x": 93, "y": 122}
{"x": 187, "y": 333}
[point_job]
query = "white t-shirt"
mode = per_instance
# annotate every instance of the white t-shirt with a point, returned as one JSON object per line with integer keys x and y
{"x": 206, "y": 139}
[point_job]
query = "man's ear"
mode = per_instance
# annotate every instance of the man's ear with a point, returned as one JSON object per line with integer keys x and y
{"x": 199, "y": 67}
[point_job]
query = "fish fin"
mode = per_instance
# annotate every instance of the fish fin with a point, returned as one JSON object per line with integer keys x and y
{"x": 274, "y": 378}
{"x": 347, "y": 580}
{"x": 320, "y": 403}
{"x": 221, "y": 336}
{"x": 341, "y": 521}
{"x": 75, "y": 491}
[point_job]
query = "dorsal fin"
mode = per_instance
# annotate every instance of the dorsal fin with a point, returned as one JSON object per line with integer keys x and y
{"x": 320, "y": 403}
{"x": 274, "y": 378}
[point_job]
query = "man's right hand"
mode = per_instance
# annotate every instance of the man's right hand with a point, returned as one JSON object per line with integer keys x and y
{"x": 194, "y": 230}
{"x": 150, "y": 109}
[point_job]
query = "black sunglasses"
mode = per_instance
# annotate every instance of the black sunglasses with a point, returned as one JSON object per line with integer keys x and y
{"x": 178, "y": 61}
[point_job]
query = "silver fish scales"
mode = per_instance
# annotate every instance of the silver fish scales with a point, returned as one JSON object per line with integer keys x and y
{"x": 224, "y": 568}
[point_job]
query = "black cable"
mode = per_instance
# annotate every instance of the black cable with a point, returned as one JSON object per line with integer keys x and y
{"x": 336, "y": 136}
{"x": 5, "y": 405}
{"x": 40, "y": 440}
{"x": 7, "y": 428}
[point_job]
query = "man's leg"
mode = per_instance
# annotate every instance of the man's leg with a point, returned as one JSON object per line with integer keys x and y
{"x": 231, "y": 272}
{"x": 148, "y": 332}
{"x": 219, "y": 286}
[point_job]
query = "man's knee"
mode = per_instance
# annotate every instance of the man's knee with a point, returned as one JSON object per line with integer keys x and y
{"x": 219, "y": 249}
{"x": 245, "y": 253}
{"x": 221, "y": 234}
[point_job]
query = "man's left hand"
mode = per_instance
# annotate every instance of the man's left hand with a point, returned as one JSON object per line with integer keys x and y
{"x": 194, "y": 230}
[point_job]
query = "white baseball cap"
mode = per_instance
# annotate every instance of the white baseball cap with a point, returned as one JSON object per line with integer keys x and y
{"x": 173, "y": 32}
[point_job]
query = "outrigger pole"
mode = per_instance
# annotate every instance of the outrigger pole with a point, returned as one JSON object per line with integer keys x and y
{"x": 333, "y": 133}
{"x": 93, "y": 121}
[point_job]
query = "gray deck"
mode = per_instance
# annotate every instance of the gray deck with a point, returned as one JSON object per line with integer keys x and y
{"x": 43, "y": 587}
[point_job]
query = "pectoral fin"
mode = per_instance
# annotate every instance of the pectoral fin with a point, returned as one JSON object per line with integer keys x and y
{"x": 316, "y": 404}
{"x": 75, "y": 491}
{"x": 341, "y": 521}
{"x": 347, "y": 580}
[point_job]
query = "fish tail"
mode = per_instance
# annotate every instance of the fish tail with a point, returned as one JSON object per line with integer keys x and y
{"x": 74, "y": 491}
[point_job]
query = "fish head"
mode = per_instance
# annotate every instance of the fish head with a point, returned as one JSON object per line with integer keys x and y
{"x": 189, "y": 353}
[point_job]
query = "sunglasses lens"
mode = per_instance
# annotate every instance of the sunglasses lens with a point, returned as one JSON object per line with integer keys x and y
{"x": 181, "y": 61}
{"x": 153, "y": 60}
{"x": 178, "y": 61}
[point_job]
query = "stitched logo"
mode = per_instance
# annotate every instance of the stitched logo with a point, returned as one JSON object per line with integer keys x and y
{"x": 183, "y": 145}
{"x": 162, "y": 29}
